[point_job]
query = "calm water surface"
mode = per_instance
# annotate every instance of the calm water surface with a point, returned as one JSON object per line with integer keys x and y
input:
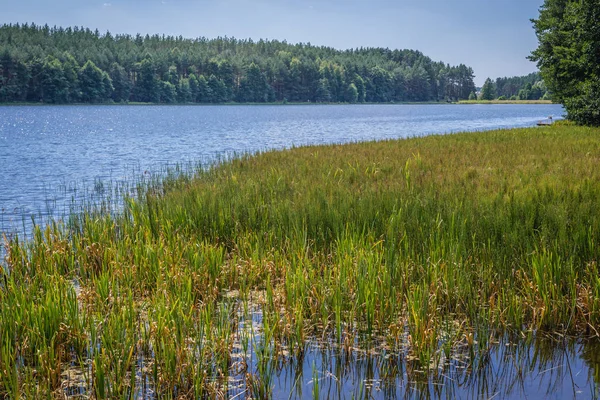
{"x": 51, "y": 156}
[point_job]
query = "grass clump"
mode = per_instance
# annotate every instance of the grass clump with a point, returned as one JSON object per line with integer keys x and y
{"x": 428, "y": 245}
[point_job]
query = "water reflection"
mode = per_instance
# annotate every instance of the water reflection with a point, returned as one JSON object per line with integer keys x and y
{"x": 541, "y": 368}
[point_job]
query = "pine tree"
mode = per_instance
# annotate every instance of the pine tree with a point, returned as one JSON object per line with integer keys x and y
{"x": 121, "y": 83}
{"x": 95, "y": 84}
{"x": 488, "y": 90}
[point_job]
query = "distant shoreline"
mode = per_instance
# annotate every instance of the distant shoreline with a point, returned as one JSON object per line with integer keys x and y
{"x": 505, "y": 102}
{"x": 133, "y": 103}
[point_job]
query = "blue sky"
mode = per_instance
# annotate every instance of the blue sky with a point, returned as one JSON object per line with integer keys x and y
{"x": 493, "y": 37}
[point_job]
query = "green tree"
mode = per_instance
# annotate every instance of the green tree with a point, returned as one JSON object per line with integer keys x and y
{"x": 399, "y": 84}
{"x": 168, "y": 92}
{"x": 217, "y": 90}
{"x": 184, "y": 92}
{"x": 568, "y": 56}
{"x": 472, "y": 96}
{"x": 35, "y": 90}
{"x": 172, "y": 76}
{"x": 323, "y": 94}
{"x": 417, "y": 83}
{"x": 54, "y": 85}
{"x": 293, "y": 89}
{"x": 14, "y": 78}
{"x": 351, "y": 93}
{"x": 194, "y": 88}
{"x": 120, "y": 81}
{"x": 254, "y": 86}
{"x": 138, "y": 64}
{"x": 380, "y": 86}
{"x": 464, "y": 81}
{"x": 509, "y": 87}
{"x": 204, "y": 93}
{"x": 147, "y": 86}
{"x": 71, "y": 74}
{"x": 359, "y": 82}
{"x": 488, "y": 92}
{"x": 95, "y": 84}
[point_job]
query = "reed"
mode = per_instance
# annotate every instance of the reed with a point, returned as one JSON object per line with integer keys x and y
{"x": 427, "y": 245}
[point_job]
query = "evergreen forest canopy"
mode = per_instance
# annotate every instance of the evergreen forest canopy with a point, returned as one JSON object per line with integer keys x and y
{"x": 70, "y": 65}
{"x": 527, "y": 87}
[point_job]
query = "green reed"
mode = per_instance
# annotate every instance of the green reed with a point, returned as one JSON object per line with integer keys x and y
{"x": 428, "y": 245}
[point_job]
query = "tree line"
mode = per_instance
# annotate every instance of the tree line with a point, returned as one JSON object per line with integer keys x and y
{"x": 568, "y": 56}
{"x": 76, "y": 64}
{"x": 528, "y": 87}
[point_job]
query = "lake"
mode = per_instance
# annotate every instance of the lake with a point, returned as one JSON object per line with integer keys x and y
{"x": 54, "y": 156}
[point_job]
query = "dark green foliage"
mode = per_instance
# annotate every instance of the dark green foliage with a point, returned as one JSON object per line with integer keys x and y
{"x": 585, "y": 108}
{"x": 351, "y": 93}
{"x": 147, "y": 86}
{"x": 254, "y": 87}
{"x": 44, "y": 64}
{"x": 71, "y": 73}
{"x": 121, "y": 83}
{"x": 528, "y": 87}
{"x": 54, "y": 84}
{"x": 488, "y": 91}
{"x": 455, "y": 83}
{"x": 14, "y": 77}
{"x": 417, "y": 83}
{"x": 184, "y": 93}
{"x": 360, "y": 87}
{"x": 218, "y": 92}
{"x": 203, "y": 91}
{"x": 95, "y": 84}
{"x": 323, "y": 92}
{"x": 380, "y": 86}
{"x": 568, "y": 56}
{"x": 168, "y": 92}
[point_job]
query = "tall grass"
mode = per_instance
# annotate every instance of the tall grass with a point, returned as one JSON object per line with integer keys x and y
{"x": 428, "y": 245}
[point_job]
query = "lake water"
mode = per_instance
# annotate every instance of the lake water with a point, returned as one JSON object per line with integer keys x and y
{"x": 53, "y": 156}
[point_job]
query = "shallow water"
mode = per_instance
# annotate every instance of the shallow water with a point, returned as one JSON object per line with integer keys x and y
{"x": 52, "y": 156}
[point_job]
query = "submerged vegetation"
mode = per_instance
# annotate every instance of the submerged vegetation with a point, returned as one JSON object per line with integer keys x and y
{"x": 422, "y": 251}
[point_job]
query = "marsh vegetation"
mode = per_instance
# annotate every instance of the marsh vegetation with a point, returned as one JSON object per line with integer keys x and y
{"x": 424, "y": 255}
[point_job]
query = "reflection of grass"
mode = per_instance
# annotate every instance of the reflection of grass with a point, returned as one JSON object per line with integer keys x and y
{"x": 443, "y": 239}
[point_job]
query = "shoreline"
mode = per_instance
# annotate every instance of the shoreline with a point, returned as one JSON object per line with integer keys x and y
{"x": 463, "y": 102}
{"x": 232, "y": 104}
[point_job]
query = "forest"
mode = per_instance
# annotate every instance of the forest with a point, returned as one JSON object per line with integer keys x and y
{"x": 45, "y": 64}
{"x": 527, "y": 87}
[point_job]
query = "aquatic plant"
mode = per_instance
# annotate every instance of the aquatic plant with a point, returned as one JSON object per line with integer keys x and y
{"x": 428, "y": 250}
